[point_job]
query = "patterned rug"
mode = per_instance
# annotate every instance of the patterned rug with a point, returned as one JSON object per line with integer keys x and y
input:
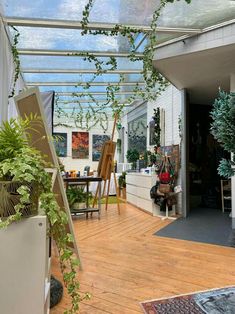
{"x": 216, "y": 301}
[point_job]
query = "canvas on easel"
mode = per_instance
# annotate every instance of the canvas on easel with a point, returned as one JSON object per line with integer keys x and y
{"x": 106, "y": 167}
{"x": 29, "y": 102}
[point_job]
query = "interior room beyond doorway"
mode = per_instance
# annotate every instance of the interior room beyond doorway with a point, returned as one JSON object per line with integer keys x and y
{"x": 204, "y": 156}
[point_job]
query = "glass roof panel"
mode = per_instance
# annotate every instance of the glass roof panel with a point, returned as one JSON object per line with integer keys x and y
{"x": 111, "y": 78}
{"x": 51, "y": 62}
{"x": 69, "y": 39}
{"x": 79, "y": 89}
{"x": 106, "y": 11}
{"x": 199, "y": 14}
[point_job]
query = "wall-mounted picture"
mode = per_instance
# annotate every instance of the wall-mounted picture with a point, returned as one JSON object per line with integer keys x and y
{"x": 60, "y": 142}
{"x": 151, "y": 132}
{"x": 97, "y": 144}
{"x": 80, "y": 145}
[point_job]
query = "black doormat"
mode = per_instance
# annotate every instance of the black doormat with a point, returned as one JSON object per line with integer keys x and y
{"x": 202, "y": 225}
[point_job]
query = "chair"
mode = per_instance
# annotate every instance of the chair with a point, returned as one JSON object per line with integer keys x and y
{"x": 226, "y": 194}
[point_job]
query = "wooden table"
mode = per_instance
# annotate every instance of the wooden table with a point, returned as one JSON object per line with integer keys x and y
{"x": 85, "y": 180}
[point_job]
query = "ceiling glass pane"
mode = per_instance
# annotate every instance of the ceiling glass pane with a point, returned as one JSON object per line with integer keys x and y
{"x": 197, "y": 14}
{"x": 111, "y": 78}
{"x": 106, "y": 11}
{"x": 51, "y": 62}
{"x": 200, "y": 13}
{"x": 79, "y": 89}
{"x": 69, "y": 39}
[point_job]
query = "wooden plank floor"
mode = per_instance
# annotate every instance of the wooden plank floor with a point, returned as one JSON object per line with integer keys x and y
{"x": 125, "y": 264}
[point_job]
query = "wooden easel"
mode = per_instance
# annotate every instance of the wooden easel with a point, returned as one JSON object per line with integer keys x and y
{"x": 106, "y": 168}
{"x": 27, "y": 103}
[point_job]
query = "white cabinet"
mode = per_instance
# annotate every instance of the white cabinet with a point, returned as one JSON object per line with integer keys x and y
{"x": 138, "y": 188}
{"x": 25, "y": 267}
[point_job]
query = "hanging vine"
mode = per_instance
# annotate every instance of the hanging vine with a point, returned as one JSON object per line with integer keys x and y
{"x": 157, "y": 128}
{"x": 16, "y": 61}
{"x": 154, "y": 82}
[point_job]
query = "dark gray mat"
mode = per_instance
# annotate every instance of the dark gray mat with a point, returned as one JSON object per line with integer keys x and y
{"x": 202, "y": 225}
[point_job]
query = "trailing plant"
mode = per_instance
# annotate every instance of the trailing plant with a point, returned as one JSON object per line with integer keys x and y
{"x": 223, "y": 129}
{"x": 25, "y": 165}
{"x": 157, "y": 129}
{"x": 154, "y": 82}
{"x": 16, "y": 60}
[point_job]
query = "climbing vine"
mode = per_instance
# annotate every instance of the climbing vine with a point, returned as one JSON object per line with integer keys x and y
{"x": 157, "y": 129}
{"x": 154, "y": 82}
{"x": 16, "y": 61}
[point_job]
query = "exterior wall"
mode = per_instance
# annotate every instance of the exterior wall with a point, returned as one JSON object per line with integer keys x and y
{"x": 171, "y": 101}
{"x": 79, "y": 164}
{"x": 214, "y": 38}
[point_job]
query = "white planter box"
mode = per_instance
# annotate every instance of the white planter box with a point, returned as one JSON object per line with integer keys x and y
{"x": 24, "y": 270}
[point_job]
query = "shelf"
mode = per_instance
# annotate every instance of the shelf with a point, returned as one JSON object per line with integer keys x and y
{"x": 84, "y": 210}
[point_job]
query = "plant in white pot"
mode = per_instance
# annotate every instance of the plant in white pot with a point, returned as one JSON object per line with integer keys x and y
{"x": 24, "y": 184}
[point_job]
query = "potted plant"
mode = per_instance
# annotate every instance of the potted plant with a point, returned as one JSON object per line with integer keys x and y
{"x": 132, "y": 156}
{"x": 77, "y": 197}
{"x": 24, "y": 184}
{"x": 122, "y": 185}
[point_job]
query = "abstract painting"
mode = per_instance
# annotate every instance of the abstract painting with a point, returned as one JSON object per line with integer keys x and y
{"x": 97, "y": 144}
{"x": 80, "y": 145}
{"x": 60, "y": 142}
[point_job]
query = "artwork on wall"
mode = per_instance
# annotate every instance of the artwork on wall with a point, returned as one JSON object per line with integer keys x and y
{"x": 60, "y": 142}
{"x": 137, "y": 134}
{"x": 151, "y": 132}
{"x": 97, "y": 144}
{"x": 80, "y": 145}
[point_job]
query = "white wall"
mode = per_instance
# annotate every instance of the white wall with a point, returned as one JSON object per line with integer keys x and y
{"x": 170, "y": 101}
{"x": 79, "y": 164}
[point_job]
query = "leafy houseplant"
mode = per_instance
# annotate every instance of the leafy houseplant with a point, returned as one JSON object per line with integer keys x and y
{"x": 132, "y": 156}
{"x": 223, "y": 129}
{"x": 122, "y": 184}
{"x": 122, "y": 180}
{"x": 75, "y": 195}
{"x": 23, "y": 167}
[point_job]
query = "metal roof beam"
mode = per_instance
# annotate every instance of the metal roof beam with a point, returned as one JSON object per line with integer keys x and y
{"x": 80, "y": 101}
{"x": 78, "y": 71}
{"x": 66, "y": 24}
{"x": 75, "y": 53}
{"x": 83, "y": 84}
{"x": 71, "y": 94}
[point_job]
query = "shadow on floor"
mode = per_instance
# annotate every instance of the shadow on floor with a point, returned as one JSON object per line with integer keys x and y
{"x": 202, "y": 225}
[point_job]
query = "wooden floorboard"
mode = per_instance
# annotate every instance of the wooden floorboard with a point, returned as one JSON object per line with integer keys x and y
{"x": 124, "y": 263}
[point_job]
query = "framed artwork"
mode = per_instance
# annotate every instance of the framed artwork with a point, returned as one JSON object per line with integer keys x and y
{"x": 137, "y": 134}
{"x": 151, "y": 132}
{"x": 60, "y": 142}
{"x": 80, "y": 145}
{"x": 97, "y": 145}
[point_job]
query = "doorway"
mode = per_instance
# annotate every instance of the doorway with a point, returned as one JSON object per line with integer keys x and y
{"x": 204, "y": 156}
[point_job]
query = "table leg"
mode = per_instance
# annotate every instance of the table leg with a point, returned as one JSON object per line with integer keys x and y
{"x": 99, "y": 201}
